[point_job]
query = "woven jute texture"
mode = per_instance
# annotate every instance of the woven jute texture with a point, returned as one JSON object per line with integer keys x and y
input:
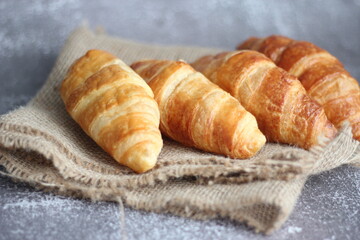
{"x": 40, "y": 144}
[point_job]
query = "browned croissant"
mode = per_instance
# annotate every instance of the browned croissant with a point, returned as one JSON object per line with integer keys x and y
{"x": 197, "y": 113}
{"x": 285, "y": 113}
{"x": 115, "y": 107}
{"x": 322, "y": 75}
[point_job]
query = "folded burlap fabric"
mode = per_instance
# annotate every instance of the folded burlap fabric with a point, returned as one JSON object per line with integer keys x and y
{"x": 42, "y": 145}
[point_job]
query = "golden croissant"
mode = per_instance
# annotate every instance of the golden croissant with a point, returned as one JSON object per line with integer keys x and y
{"x": 115, "y": 107}
{"x": 322, "y": 75}
{"x": 198, "y": 113}
{"x": 284, "y": 111}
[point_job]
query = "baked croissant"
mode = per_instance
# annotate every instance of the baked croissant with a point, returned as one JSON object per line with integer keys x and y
{"x": 285, "y": 113}
{"x": 197, "y": 113}
{"x": 322, "y": 75}
{"x": 115, "y": 107}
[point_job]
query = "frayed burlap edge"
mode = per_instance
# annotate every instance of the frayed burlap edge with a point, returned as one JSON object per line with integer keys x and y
{"x": 177, "y": 207}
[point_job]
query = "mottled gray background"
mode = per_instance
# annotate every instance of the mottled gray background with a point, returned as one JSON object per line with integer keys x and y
{"x": 31, "y": 36}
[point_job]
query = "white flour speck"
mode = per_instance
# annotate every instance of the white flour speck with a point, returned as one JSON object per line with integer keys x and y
{"x": 294, "y": 229}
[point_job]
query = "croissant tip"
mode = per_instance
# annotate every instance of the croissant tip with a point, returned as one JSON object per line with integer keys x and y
{"x": 143, "y": 164}
{"x": 247, "y": 43}
{"x": 96, "y": 52}
{"x": 144, "y": 157}
{"x": 138, "y": 64}
{"x": 252, "y": 147}
{"x": 257, "y": 145}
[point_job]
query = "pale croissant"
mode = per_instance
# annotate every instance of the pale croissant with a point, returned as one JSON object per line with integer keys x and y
{"x": 115, "y": 107}
{"x": 285, "y": 113}
{"x": 198, "y": 113}
{"x": 322, "y": 75}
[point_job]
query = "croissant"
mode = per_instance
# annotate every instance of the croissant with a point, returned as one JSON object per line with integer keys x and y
{"x": 322, "y": 75}
{"x": 115, "y": 107}
{"x": 198, "y": 113}
{"x": 285, "y": 113}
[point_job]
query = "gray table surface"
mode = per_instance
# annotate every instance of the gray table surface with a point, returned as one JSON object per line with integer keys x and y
{"x": 31, "y": 36}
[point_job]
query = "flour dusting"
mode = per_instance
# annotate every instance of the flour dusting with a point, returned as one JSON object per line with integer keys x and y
{"x": 30, "y": 214}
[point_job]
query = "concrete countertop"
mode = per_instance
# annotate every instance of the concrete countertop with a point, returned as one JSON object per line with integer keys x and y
{"x": 31, "y": 36}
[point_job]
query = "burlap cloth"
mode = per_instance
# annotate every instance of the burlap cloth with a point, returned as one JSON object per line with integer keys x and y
{"x": 42, "y": 145}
